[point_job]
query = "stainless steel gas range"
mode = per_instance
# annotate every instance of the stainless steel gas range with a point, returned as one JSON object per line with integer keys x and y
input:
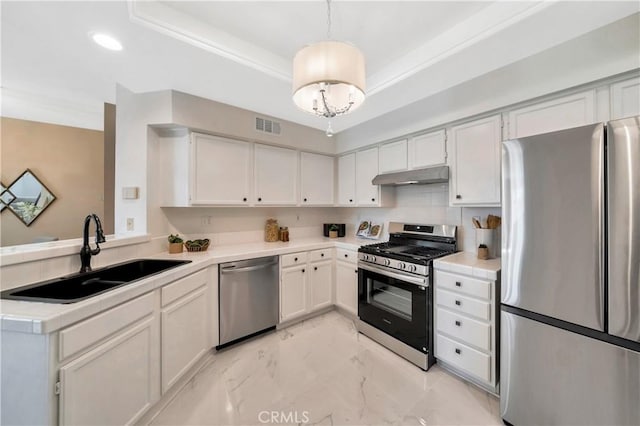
{"x": 395, "y": 288}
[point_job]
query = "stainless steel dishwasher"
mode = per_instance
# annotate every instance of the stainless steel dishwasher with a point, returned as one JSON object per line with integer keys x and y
{"x": 249, "y": 298}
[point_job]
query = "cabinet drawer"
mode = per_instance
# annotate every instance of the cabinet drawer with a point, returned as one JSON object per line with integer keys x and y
{"x": 346, "y": 255}
{"x": 462, "y": 284}
{"x": 465, "y": 329}
{"x": 183, "y": 286}
{"x": 466, "y": 305}
{"x": 293, "y": 259}
{"x": 462, "y": 356}
{"x": 85, "y": 334}
{"x": 319, "y": 255}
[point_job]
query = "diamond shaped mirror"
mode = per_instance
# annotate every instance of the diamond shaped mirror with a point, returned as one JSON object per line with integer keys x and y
{"x": 31, "y": 197}
{"x": 6, "y": 197}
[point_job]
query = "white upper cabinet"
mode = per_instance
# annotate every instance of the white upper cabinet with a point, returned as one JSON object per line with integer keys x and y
{"x": 557, "y": 114}
{"x": 366, "y": 170}
{"x": 625, "y": 98}
{"x": 427, "y": 150}
{"x": 347, "y": 180}
{"x": 393, "y": 157}
{"x": 276, "y": 175}
{"x": 221, "y": 171}
{"x": 475, "y": 163}
{"x": 316, "y": 179}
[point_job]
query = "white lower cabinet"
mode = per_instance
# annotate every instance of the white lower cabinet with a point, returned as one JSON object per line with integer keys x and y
{"x": 115, "y": 365}
{"x": 293, "y": 292}
{"x": 305, "y": 283}
{"x": 185, "y": 323}
{"x": 465, "y": 327}
{"x": 347, "y": 281}
{"x": 114, "y": 383}
{"x": 321, "y": 280}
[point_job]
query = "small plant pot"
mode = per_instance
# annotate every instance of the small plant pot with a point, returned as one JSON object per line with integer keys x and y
{"x": 333, "y": 234}
{"x": 175, "y": 247}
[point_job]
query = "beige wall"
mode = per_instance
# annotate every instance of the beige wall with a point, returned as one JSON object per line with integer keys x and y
{"x": 68, "y": 160}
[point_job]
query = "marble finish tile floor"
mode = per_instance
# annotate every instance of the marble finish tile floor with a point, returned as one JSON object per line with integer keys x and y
{"x": 323, "y": 372}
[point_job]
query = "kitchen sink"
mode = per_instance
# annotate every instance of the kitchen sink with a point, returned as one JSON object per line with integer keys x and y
{"x": 80, "y": 286}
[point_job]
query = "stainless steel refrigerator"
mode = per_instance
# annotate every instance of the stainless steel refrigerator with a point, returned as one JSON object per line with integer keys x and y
{"x": 570, "y": 315}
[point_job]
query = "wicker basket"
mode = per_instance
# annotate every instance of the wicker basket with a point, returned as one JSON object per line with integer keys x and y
{"x": 202, "y": 247}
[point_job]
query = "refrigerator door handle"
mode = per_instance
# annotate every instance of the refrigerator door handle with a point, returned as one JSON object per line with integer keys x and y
{"x": 623, "y": 228}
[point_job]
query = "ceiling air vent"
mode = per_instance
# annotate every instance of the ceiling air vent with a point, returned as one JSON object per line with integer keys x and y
{"x": 267, "y": 126}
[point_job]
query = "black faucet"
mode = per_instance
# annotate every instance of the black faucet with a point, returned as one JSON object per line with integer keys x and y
{"x": 85, "y": 251}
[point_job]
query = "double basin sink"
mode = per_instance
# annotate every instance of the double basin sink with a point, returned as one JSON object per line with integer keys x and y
{"x": 80, "y": 286}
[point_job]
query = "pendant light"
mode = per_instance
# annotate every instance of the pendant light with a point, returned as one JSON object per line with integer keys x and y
{"x": 329, "y": 77}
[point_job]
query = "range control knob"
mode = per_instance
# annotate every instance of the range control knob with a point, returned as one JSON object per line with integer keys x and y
{"x": 386, "y": 262}
{"x": 372, "y": 259}
{"x": 402, "y": 265}
{"x": 412, "y": 268}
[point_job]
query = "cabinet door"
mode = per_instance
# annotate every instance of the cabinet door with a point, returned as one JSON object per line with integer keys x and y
{"x": 222, "y": 170}
{"x": 393, "y": 157}
{"x": 625, "y": 98}
{"x": 276, "y": 175}
{"x": 320, "y": 285}
{"x": 557, "y": 114}
{"x": 347, "y": 287}
{"x": 347, "y": 180}
{"x": 184, "y": 335}
{"x": 293, "y": 295}
{"x": 316, "y": 179}
{"x": 116, "y": 382}
{"x": 476, "y": 163}
{"x": 366, "y": 169}
{"x": 427, "y": 150}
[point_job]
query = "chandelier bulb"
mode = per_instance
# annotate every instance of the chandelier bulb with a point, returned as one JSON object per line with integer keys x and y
{"x": 329, "y": 131}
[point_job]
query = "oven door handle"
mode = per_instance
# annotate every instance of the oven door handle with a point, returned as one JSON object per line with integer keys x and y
{"x": 421, "y": 281}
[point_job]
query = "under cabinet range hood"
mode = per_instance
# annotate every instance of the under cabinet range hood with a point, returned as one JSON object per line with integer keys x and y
{"x": 439, "y": 174}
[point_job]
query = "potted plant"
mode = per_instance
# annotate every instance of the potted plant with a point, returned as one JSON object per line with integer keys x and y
{"x": 333, "y": 231}
{"x": 175, "y": 243}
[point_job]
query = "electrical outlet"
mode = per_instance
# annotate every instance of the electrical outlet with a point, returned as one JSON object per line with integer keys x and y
{"x": 129, "y": 224}
{"x": 205, "y": 220}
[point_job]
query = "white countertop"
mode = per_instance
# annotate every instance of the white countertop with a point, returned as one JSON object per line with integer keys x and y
{"x": 42, "y": 318}
{"x": 469, "y": 264}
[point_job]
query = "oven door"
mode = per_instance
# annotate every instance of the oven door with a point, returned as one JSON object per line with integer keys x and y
{"x": 395, "y": 303}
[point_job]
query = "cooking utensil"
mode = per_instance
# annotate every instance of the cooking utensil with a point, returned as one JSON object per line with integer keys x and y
{"x": 493, "y": 221}
{"x": 476, "y": 222}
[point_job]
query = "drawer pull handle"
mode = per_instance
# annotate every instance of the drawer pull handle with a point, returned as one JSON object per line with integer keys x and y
{"x": 315, "y": 268}
{"x": 458, "y": 303}
{"x": 373, "y": 199}
{"x": 351, "y": 200}
{"x": 458, "y": 351}
{"x": 303, "y": 271}
{"x": 295, "y": 259}
{"x": 458, "y": 284}
{"x": 259, "y": 199}
{"x": 321, "y": 254}
{"x": 458, "y": 323}
{"x": 356, "y": 271}
{"x": 458, "y": 197}
{"x": 244, "y": 199}
{"x": 346, "y": 255}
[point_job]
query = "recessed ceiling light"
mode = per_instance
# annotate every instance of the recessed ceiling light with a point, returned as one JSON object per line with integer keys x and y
{"x": 106, "y": 41}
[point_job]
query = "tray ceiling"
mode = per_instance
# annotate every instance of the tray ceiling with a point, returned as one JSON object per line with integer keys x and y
{"x": 241, "y": 52}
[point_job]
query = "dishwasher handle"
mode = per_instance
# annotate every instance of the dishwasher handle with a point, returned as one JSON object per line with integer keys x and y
{"x": 233, "y": 269}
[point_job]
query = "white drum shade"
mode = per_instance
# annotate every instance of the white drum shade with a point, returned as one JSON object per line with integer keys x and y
{"x": 338, "y": 64}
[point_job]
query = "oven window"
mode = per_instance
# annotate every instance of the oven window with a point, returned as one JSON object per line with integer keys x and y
{"x": 390, "y": 298}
